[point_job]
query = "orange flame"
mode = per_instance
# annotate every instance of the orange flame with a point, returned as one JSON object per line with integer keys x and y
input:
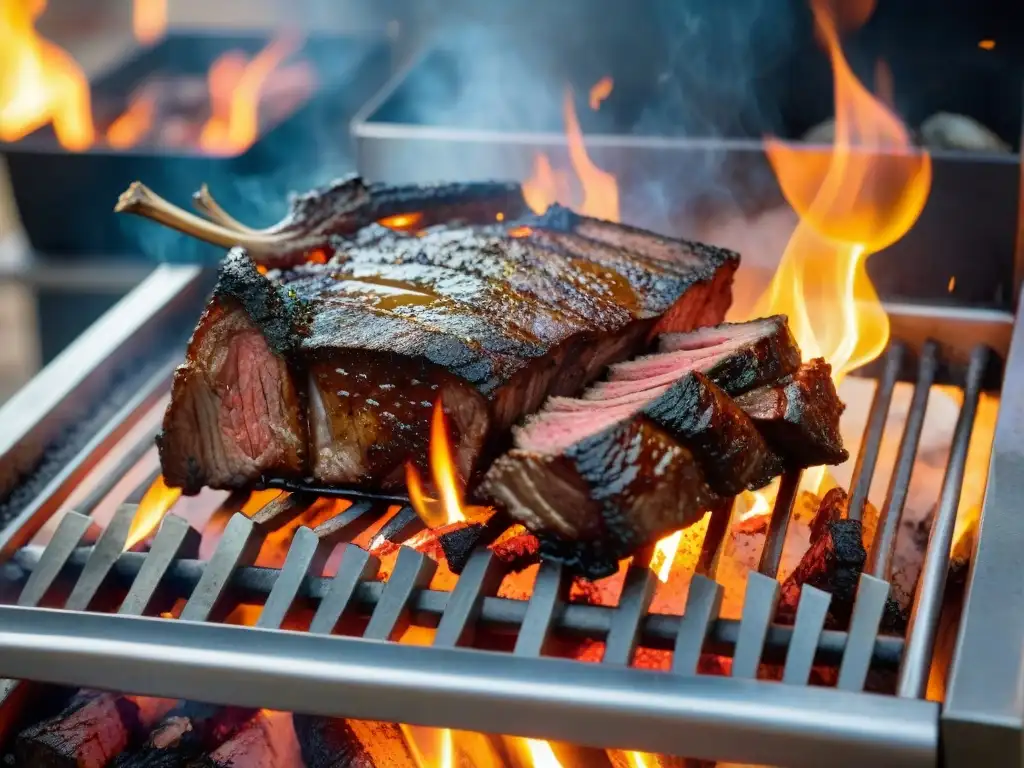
{"x": 154, "y": 505}
{"x": 40, "y": 83}
{"x": 130, "y": 127}
{"x": 602, "y": 90}
{"x": 235, "y": 88}
{"x": 665, "y": 555}
{"x": 402, "y": 222}
{"x": 854, "y": 199}
{"x": 442, "y": 470}
{"x": 149, "y": 20}
{"x": 541, "y": 753}
{"x": 600, "y": 190}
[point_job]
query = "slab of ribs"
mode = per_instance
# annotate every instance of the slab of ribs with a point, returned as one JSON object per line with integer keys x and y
{"x": 590, "y": 386}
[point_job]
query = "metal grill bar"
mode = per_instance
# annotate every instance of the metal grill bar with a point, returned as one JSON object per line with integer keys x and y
{"x": 356, "y": 566}
{"x": 702, "y": 606}
{"x": 924, "y": 616}
{"x": 896, "y": 496}
{"x": 874, "y": 430}
{"x": 498, "y": 613}
{"x": 637, "y": 593}
{"x": 550, "y": 591}
{"x": 810, "y": 621}
{"x": 594, "y": 704}
{"x": 102, "y": 558}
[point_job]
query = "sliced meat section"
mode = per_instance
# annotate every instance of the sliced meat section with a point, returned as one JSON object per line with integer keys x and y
{"x": 736, "y": 356}
{"x": 799, "y": 416}
{"x": 731, "y": 451}
{"x": 603, "y": 497}
{"x": 235, "y": 411}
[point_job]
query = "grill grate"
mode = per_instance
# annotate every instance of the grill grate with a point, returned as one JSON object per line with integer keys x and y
{"x": 153, "y": 655}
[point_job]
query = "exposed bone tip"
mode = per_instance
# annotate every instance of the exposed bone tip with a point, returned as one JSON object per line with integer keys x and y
{"x": 132, "y": 199}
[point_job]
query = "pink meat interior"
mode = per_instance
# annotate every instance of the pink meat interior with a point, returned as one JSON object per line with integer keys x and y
{"x": 566, "y": 420}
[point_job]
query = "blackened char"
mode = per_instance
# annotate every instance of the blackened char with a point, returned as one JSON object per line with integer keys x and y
{"x": 799, "y": 416}
{"x": 833, "y": 563}
{"x": 604, "y": 497}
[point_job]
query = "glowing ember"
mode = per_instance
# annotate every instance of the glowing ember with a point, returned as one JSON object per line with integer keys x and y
{"x": 541, "y": 753}
{"x": 154, "y": 505}
{"x": 235, "y": 88}
{"x": 403, "y": 222}
{"x": 134, "y": 124}
{"x": 41, "y": 84}
{"x": 602, "y": 90}
{"x": 519, "y": 232}
{"x": 149, "y": 20}
{"x": 987, "y": 45}
{"x": 638, "y": 760}
{"x": 952, "y": 284}
{"x": 600, "y": 190}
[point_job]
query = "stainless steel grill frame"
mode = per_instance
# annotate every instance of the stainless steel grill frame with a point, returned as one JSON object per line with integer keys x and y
{"x": 609, "y": 704}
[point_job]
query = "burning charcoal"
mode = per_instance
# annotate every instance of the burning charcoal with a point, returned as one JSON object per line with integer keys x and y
{"x": 186, "y": 733}
{"x": 335, "y": 743}
{"x": 518, "y": 552}
{"x": 833, "y": 563}
{"x": 267, "y": 740}
{"x": 945, "y": 130}
{"x": 88, "y": 733}
{"x": 459, "y": 544}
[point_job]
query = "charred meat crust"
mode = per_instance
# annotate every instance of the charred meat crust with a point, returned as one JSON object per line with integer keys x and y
{"x": 444, "y": 301}
{"x": 732, "y": 453}
{"x": 268, "y": 309}
{"x": 799, "y": 416}
{"x": 604, "y": 497}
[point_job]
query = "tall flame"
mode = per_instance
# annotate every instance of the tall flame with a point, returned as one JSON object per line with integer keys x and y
{"x": 235, "y": 88}
{"x": 600, "y": 190}
{"x": 853, "y": 199}
{"x": 40, "y": 84}
{"x": 149, "y": 20}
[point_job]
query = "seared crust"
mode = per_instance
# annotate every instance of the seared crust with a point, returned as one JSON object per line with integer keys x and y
{"x": 603, "y": 498}
{"x": 489, "y": 323}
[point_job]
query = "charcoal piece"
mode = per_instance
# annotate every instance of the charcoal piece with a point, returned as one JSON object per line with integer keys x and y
{"x": 458, "y": 544}
{"x": 331, "y": 371}
{"x": 88, "y": 733}
{"x": 266, "y": 740}
{"x": 186, "y": 733}
{"x": 335, "y": 743}
{"x": 799, "y": 416}
{"x": 518, "y": 552}
{"x": 833, "y": 564}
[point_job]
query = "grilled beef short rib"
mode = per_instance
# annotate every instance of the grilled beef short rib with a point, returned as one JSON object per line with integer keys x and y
{"x": 330, "y": 371}
{"x": 583, "y": 470}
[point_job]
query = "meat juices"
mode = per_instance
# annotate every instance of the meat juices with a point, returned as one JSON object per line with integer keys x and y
{"x": 330, "y": 371}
